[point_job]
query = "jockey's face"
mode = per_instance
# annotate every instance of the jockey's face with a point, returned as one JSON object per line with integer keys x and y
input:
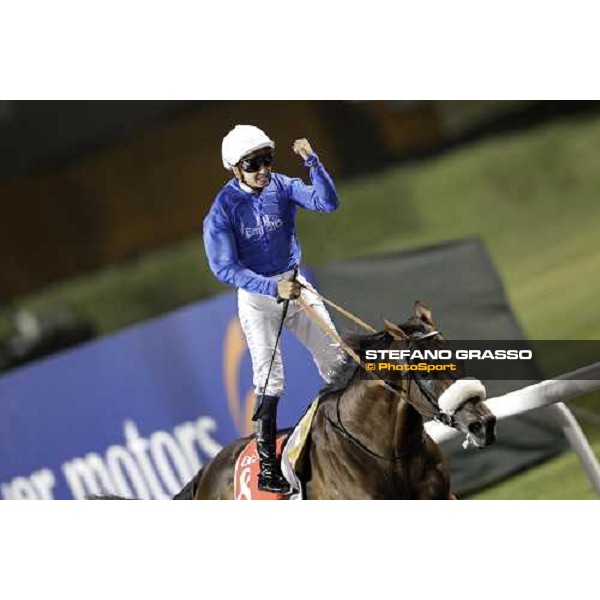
{"x": 255, "y": 169}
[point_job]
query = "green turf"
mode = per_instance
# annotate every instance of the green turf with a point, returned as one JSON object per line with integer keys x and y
{"x": 559, "y": 479}
{"x": 532, "y": 197}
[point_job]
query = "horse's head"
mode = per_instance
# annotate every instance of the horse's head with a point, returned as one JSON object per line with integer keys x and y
{"x": 448, "y": 396}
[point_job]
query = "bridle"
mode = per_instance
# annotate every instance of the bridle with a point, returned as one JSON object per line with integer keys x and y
{"x": 434, "y": 413}
{"x": 440, "y": 416}
{"x": 405, "y": 395}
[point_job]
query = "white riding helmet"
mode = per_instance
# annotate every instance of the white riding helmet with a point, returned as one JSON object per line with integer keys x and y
{"x": 242, "y": 140}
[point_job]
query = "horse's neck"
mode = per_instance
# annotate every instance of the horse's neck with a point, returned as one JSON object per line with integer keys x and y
{"x": 381, "y": 419}
{"x": 409, "y": 428}
{"x": 357, "y": 456}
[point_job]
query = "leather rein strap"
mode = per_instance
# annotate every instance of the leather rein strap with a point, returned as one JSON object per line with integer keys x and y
{"x": 337, "y": 338}
{"x": 341, "y": 310}
{"x": 312, "y": 313}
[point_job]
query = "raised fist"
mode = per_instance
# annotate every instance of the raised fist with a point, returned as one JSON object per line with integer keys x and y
{"x": 303, "y": 148}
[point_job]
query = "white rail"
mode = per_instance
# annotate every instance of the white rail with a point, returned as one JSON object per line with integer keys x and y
{"x": 552, "y": 394}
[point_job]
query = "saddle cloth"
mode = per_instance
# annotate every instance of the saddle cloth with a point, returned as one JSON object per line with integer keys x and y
{"x": 289, "y": 451}
{"x": 246, "y": 473}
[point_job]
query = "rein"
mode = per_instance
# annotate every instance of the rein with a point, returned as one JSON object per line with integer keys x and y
{"x": 341, "y": 310}
{"x": 351, "y": 438}
{"x": 337, "y": 338}
{"x": 430, "y": 413}
{"x": 339, "y": 426}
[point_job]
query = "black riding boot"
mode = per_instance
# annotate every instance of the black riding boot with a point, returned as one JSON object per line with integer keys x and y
{"x": 270, "y": 478}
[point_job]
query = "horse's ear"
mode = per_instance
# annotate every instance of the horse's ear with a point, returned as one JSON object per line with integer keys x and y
{"x": 423, "y": 312}
{"x": 394, "y": 330}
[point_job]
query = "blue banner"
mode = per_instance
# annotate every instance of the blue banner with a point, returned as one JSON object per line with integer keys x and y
{"x": 137, "y": 413}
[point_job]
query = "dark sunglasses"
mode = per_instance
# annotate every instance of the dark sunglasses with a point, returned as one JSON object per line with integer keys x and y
{"x": 253, "y": 165}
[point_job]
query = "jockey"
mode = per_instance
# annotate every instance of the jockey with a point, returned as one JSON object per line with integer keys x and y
{"x": 251, "y": 243}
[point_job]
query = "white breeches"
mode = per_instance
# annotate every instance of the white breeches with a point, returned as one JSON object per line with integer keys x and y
{"x": 260, "y": 317}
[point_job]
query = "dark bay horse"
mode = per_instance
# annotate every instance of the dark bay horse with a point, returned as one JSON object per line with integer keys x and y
{"x": 367, "y": 441}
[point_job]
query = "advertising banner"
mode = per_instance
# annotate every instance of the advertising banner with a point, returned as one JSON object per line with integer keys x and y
{"x": 137, "y": 413}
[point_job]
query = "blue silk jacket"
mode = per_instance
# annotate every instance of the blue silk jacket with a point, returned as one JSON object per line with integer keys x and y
{"x": 250, "y": 238}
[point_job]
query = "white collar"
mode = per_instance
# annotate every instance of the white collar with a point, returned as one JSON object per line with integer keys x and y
{"x": 246, "y": 188}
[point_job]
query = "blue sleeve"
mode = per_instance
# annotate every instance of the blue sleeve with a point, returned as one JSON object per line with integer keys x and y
{"x": 221, "y": 250}
{"x": 321, "y": 195}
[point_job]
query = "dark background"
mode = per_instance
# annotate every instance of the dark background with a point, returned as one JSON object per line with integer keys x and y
{"x": 89, "y": 183}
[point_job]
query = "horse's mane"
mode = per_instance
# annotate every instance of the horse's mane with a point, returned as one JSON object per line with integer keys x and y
{"x": 344, "y": 373}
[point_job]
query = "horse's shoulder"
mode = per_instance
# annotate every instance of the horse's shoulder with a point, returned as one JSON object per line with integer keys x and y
{"x": 326, "y": 402}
